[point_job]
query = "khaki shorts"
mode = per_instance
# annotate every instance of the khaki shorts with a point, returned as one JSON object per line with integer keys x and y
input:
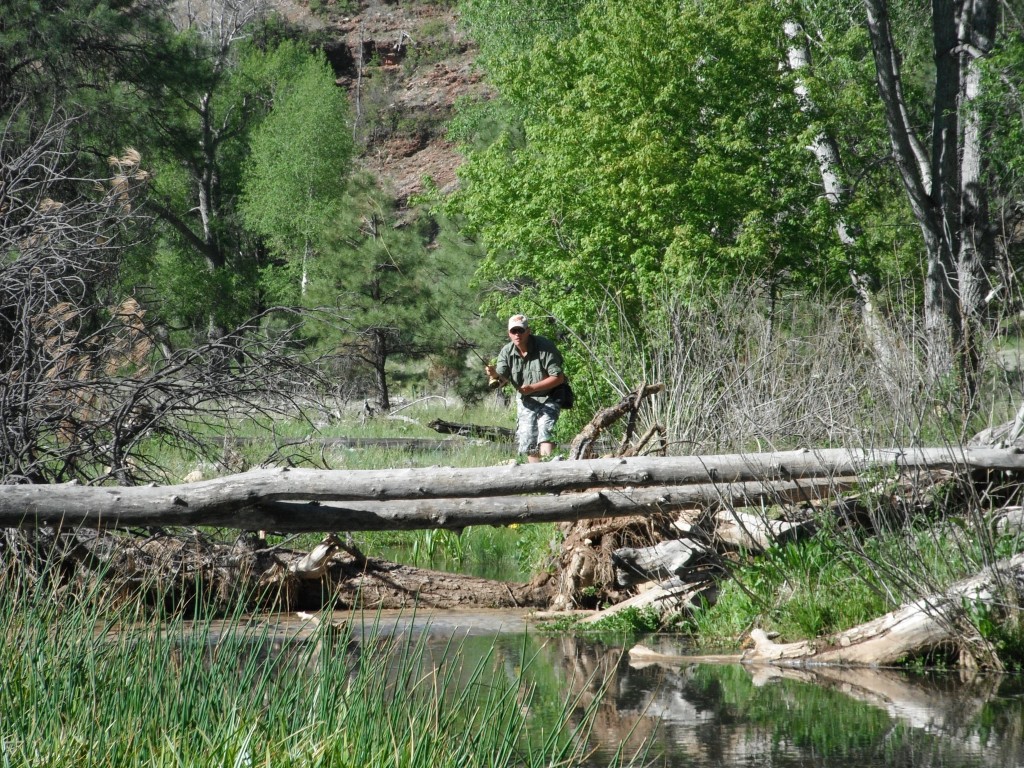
{"x": 535, "y": 424}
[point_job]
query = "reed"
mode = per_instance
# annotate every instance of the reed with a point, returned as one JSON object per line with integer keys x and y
{"x": 88, "y": 682}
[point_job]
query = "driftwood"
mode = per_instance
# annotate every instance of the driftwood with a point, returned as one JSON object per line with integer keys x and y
{"x": 296, "y": 499}
{"x": 236, "y": 507}
{"x": 701, "y": 536}
{"x": 920, "y": 627}
{"x": 673, "y": 596}
{"x": 583, "y": 443}
{"x": 933, "y": 624}
{"x": 175, "y": 569}
{"x": 735, "y": 529}
{"x": 658, "y": 562}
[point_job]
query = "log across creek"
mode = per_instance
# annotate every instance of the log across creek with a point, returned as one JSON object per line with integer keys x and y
{"x": 308, "y": 500}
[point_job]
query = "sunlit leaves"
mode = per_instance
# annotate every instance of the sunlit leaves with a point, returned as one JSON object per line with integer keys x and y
{"x": 300, "y": 155}
{"x": 661, "y": 142}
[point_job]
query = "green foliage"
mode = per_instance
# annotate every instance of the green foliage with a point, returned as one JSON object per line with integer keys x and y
{"x": 296, "y": 175}
{"x": 1004, "y": 632}
{"x": 816, "y": 716}
{"x": 629, "y": 622}
{"x": 400, "y": 286}
{"x": 104, "y": 63}
{"x": 656, "y": 148}
{"x": 800, "y": 590}
{"x": 508, "y": 553}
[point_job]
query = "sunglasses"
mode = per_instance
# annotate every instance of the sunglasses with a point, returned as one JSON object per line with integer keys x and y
{"x": 517, "y": 331}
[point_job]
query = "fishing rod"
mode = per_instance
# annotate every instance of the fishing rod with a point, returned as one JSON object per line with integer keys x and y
{"x": 492, "y": 381}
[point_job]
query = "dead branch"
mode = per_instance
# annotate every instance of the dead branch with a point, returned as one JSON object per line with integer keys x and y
{"x": 583, "y": 442}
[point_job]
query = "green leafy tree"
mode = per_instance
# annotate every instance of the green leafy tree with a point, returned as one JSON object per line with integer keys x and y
{"x": 297, "y": 172}
{"x": 398, "y": 284}
{"x": 202, "y": 275}
{"x": 107, "y": 64}
{"x": 663, "y": 143}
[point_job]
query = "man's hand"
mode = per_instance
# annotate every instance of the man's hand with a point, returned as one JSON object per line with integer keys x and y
{"x": 493, "y": 380}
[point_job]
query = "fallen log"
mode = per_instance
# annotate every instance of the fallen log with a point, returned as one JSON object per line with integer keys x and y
{"x": 755, "y": 533}
{"x": 171, "y": 570}
{"x": 670, "y": 597}
{"x": 920, "y": 627}
{"x": 385, "y": 443}
{"x": 236, "y": 506}
{"x": 656, "y": 563}
{"x": 243, "y": 499}
{"x": 471, "y": 430}
{"x": 731, "y": 529}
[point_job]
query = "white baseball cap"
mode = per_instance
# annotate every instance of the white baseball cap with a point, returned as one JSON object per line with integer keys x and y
{"x": 518, "y": 321}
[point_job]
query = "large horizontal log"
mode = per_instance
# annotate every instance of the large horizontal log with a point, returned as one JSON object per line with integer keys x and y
{"x": 251, "y": 500}
{"x": 133, "y": 507}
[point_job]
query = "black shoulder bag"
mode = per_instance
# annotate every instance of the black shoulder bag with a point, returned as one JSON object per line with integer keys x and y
{"x": 564, "y": 396}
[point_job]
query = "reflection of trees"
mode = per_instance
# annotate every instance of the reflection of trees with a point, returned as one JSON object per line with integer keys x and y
{"x": 712, "y": 714}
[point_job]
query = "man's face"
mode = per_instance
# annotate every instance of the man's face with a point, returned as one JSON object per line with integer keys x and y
{"x": 518, "y": 334}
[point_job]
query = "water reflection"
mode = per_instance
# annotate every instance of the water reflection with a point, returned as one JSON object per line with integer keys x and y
{"x": 701, "y": 714}
{"x": 687, "y": 712}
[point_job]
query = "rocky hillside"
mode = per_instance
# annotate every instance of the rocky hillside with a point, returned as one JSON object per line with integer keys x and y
{"x": 405, "y": 65}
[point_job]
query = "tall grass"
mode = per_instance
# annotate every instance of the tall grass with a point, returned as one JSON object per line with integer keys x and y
{"x": 87, "y": 682}
{"x": 512, "y": 553}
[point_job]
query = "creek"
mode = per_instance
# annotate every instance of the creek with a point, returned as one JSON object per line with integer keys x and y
{"x": 700, "y": 712}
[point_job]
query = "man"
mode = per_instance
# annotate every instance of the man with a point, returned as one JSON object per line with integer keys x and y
{"x": 533, "y": 365}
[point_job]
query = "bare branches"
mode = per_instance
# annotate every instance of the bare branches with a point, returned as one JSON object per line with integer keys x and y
{"x": 81, "y": 385}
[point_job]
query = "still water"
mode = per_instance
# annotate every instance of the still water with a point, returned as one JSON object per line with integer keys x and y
{"x": 693, "y": 712}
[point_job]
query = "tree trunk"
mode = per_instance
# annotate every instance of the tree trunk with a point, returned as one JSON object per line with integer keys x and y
{"x": 379, "y": 356}
{"x": 945, "y": 191}
{"x": 437, "y": 497}
{"x": 826, "y": 152}
{"x": 977, "y": 241}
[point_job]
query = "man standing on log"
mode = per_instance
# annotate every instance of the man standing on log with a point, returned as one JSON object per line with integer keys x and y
{"x": 533, "y": 365}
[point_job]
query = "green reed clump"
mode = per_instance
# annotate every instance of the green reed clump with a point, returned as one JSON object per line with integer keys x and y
{"x": 799, "y": 590}
{"x": 513, "y": 553}
{"x": 86, "y": 682}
